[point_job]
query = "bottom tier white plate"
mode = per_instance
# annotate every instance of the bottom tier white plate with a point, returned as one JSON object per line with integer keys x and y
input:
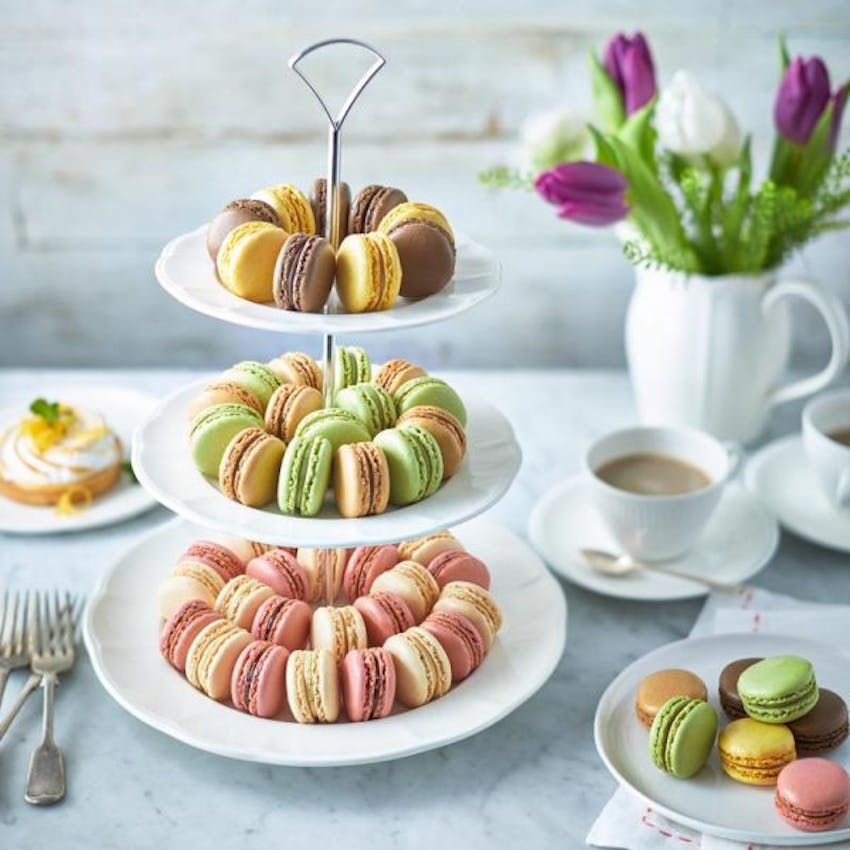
{"x": 710, "y": 802}
{"x": 120, "y": 632}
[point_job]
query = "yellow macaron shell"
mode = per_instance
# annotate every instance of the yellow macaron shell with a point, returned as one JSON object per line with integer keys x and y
{"x": 216, "y": 662}
{"x": 312, "y": 686}
{"x": 291, "y": 205}
{"x": 423, "y": 670}
{"x": 415, "y": 211}
{"x": 199, "y": 646}
{"x": 463, "y": 597}
{"x": 368, "y": 274}
{"x": 240, "y": 598}
{"x": 247, "y": 257}
{"x": 754, "y": 752}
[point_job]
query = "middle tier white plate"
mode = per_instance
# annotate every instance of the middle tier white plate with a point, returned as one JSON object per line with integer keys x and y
{"x": 163, "y": 464}
{"x": 185, "y": 271}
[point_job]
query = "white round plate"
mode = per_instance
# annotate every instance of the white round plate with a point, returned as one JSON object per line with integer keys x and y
{"x": 123, "y": 411}
{"x": 710, "y": 802}
{"x": 121, "y": 628}
{"x": 738, "y": 541}
{"x": 185, "y": 271}
{"x": 163, "y": 463}
{"x": 782, "y": 478}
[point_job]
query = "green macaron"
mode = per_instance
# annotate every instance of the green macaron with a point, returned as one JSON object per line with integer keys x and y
{"x": 682, "y": 736}
{"x": 334, "y": 424}
{"x": 351, "y": 366}
{"x": 371, "y": 404}
{"x": 305, "y": 475}
{"x": 415, "y": 462}
{"x": 778, "y": 689}
{"x": 256, "y": 377}
{"x": 212, "y": 429}
{"x": 432, "y": 391}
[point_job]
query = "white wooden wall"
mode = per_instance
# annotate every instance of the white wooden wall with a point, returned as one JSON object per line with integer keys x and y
{"x": 122, "y": 125}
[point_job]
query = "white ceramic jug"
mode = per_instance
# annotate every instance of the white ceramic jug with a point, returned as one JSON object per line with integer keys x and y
{"x": 710, "y": 352}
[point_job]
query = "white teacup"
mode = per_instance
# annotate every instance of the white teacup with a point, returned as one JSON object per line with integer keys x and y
{"x": 830, "y": 459}
{"x": 659, "y": 527}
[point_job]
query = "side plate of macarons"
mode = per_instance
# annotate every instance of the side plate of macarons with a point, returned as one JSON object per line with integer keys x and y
{"x": 733, "y": 734}
{"x": 140, "y": 670}
{"x": 184, "y": 270}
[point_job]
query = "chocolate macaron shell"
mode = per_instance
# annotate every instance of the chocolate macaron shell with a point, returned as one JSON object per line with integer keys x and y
{"x": 427, "y": 256}
{"x": 370, "y": 205}
{"x": 727, "y": 687}
{"x": 825, "y": 727}
{"x": 319, "y": 202}
{"x": 235, "y": 213}
{"x": 304, "y": 273}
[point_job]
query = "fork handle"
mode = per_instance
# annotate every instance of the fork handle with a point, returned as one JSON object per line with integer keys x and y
{"x": 46, "y": 780}
{"x": 4, "y": 677}
{"x": 30, "y": 685}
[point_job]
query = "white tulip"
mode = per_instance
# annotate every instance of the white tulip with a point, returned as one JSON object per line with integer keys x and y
{"x": 693, "y": 122}
{"x": 549, "y": 138}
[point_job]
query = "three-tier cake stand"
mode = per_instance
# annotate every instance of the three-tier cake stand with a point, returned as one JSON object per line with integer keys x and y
{"x": 120, "y": 626}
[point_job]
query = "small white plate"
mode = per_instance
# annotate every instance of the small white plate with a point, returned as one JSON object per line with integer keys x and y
{"x": 780, "y": 475}
{"x": 738, "y": 541}
{"x": 163, "y": 463}
{"x": 185, "y": 271}
{"x": 123, "y": 410}
{"x": 120, "y": 629}
{"x": 710, "y": 802}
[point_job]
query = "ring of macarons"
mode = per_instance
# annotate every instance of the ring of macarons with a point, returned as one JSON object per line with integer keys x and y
{"x": 391, "y": 438}
{"x": 330, "y": 633}
{"x": 270, "y": 248}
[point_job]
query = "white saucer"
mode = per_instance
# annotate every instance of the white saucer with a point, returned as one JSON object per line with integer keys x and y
{"x": 184, "y": 270}
{"x": 780, "y": 475}
{"x": 738, "y": 541}
{"x": 710, "y": 802}
{"x": 123, "y": 410}
{"x": 120, "y": 629}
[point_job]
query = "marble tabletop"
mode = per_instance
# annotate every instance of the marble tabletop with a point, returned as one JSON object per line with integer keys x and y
{"x": 532, "y": 780}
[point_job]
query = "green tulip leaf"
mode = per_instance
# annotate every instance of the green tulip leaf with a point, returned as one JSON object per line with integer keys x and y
{"x": 606, "y": 95}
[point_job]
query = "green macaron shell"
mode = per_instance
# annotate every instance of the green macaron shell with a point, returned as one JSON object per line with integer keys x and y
{"x": 371, "y": 404}
{"x": 415, "y": 462}
{"x": 334, "y": 424}
{"x": 682, "y": 736}
{"x": 211, "y": 431}
{"x": 433, "y": 391}
{"x": 256, "y": 377}
{"x": 428, "y": 448}
{"x": 778, "y": 689}
{"x": 351, "y": 366}
{"x": 305, "y": 476}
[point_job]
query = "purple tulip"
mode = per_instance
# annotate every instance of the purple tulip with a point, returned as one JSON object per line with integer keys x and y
{"x": 802, "y": 97}
{"x": 839, "y": 99}
{"x": 585, "y": 192}
{"x": 629, "y": 64}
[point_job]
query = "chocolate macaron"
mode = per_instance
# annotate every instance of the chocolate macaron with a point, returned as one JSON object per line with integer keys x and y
{"x": 304, "y": 273}
{"x": 370, "y": 206}
{"x": 235, "y": 213}
{"x": 825, "y": 727}
{"x": 727, "y": 687}
{"x": 319, "y": 202}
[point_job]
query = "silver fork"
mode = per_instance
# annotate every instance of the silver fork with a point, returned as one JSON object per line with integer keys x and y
{"x": 52, "y": 651}
{"x": 14, "y": 633}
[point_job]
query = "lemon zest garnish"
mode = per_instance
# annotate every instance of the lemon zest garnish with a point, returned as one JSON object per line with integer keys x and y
{"x": 45, "y": 434}
{"x": 74, "y": 500}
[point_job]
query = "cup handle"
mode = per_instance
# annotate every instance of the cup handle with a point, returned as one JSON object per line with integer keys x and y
{"x": 842, "y": 490}
{"x": 735, "y": 453}
{"x": 835, "y": 317}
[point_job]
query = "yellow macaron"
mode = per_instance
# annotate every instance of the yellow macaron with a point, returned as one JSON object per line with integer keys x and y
{"x": 415, "y": 211}
{"x": 755, "y": 752}
{"x": 368, "y": 272}
{"x": 247, "y": 257}
{"x": 292, "y": 207}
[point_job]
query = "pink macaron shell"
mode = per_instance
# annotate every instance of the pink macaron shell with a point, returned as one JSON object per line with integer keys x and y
{"x": 457, "y": 565}
{"x": 283, "y": 621}
{"x": 385, "y": 615}
{"x": 364, "y": 565}
{"x": 225, "y": 562}
{"x": 258, "y": 684}
{"x": 813, "y": 794}
{"x": 368, "y": 683}
{"x": 460, "y": 639}
{"x": 182, "y": 628}
{"x": 279, "y": 569}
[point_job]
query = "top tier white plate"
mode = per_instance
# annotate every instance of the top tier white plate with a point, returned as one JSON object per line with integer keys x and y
{"x": 185, "y": 271}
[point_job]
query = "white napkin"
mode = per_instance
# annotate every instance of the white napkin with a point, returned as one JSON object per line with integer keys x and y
{"x": 626, "y": 822}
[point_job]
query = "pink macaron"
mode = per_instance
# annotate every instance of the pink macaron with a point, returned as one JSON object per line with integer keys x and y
{"x": 368, "y": 683}
{"x": 280, "y": 570}
{"x": 258, "y": 684}
{"x": 283, "y": 621}
{"x": 813, "y": 794}
{"x": 460, "y": 639}
{"x": 457, "y": 565}
{"x": 364, "y": 565}
{"x": 182, "y": 628}
{"x": 385, "y": 614}
{"x": 227, "y": 564}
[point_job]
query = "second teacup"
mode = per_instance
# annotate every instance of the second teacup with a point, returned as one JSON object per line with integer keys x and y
{"x": 826, "y": 440}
